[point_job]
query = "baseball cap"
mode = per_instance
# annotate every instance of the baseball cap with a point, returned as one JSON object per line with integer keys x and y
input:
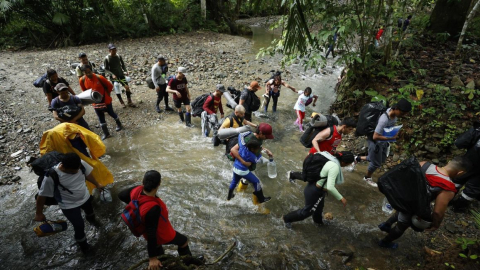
{"x": 82, "y": 54}
{"x": 266, "y": 130}
{"x": 404, "y": 105}
{"x": 254, "y": 85}
{"x": 160, "y": 57}
{"x": 111, "y": 46}
{"x": 181, "y": 70}
{"x": 60, "y": 87}
{"x": 221, "y": 88}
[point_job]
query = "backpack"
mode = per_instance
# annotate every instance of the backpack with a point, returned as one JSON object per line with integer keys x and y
{"x": 254, "y": 103}
{"x": 43, "y": 167}
{"x": 400, "y": 23}
{"x": 39, "y": 82}
{"x": 312, "y": 166}
{"x": 368, "y": 118}
{"x": 131, "y": 216}
{"x": 150, "y": 83}
{"x": 274, "y": 73}
{"x": 469, "y": 138}
{"x": 307, "y": 137}
{"x": 197, "y": 104}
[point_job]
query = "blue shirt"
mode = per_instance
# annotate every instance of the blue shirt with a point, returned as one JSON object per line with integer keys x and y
{"x": 244, "y": 153}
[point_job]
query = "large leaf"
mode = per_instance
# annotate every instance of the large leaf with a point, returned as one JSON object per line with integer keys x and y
{"x": 60, "y": 18}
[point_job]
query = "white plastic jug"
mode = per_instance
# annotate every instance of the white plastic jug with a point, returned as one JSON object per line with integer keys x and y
{"x": 272, "y": 168}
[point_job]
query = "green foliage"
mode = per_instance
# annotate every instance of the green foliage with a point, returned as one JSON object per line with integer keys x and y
{"x": 442, "y": 37}
{"x": 476, "y": 218}
{"x": 465, "y": 242}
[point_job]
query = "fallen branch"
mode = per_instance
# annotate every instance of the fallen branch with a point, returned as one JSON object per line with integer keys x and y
{"x": 224, "y": 254}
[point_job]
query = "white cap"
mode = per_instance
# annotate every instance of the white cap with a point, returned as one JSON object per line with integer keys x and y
{"x": 181, "y": 70}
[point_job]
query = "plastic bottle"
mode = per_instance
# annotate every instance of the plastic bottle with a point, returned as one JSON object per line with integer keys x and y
{"x": 116, "y": 86}
{"x": 386, "y": 207}
{"x": 272, "y": 168}
{"x": 106, "y": 196}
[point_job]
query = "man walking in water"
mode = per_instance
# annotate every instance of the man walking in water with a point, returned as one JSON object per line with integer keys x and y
{"x": 212, "y": 104}
{"x": 159, "y": 72}
{"x": 179, "y": 88}
{"x": 116, "y": 67}
{"x": 247, "y": 99}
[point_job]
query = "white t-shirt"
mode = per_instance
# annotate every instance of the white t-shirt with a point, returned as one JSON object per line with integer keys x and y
{"x": 301, "y": 101}
{"x": 73, "y": 182}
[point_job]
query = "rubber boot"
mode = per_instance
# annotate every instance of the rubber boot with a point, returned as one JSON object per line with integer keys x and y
{"x": 93, "y": 221}
{"x": 181, "y": 117}
{"x": 242, "y": 186}
{"x": 106, "y": 133}
{"x": 119, "y": 124}
{"x": 188, "y": 120}
{"x": 230, "y": 194}
{"x": 84, "y": 246}
{"x": 258, "y": 197}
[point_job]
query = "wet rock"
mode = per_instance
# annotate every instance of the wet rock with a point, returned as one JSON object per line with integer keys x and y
{"x": 16, "y": 154}
{"x": 456, "y": 82}
{"x": 16, "y": 179}
{"x": 17, "y": 168}
{"x": 395, "y": 158}
{"x": 470, "y": 85}
{"x": 328, "y": 216}
{"x": 273, "y": 262}
{"x": 450, "y": 228}
{"x": 432, "y": 149}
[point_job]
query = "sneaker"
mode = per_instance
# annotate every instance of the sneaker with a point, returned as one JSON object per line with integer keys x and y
{"x": 384, "y": 227}
{"x": 168, "y": 109}
{"x": 356, "y": 159}
{"x": 289, "y": 177}
{"x": 158, "y": 109}
{"x": 370, "y": 181}
{"x": 390, "y": 245}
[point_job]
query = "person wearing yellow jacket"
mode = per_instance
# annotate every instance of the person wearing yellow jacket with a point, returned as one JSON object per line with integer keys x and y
{"x": 68, "y": 138}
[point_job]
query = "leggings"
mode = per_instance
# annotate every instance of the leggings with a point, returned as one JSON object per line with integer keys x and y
{"x": 101, "y": 114}
{"x": 402, "y": 224}
{"x": 301, "y": 116}
{"x": 74, "y": 215}
{"x": 273, "y": 96}
{"x": 179, "y": 241}
{"x": 250, "y": 177}
{"x": 314, "y": 203}
{"x": 162, "y": 94}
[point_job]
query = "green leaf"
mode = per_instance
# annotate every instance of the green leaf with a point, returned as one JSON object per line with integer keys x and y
{"x": 470, "y": 96}
{"x": 371, "y": 93}
{"x": 60, "y": 18}
{"x": 447, "y": 264}
{"x": 473, "y": 257}
{"x": 462, "y": 255}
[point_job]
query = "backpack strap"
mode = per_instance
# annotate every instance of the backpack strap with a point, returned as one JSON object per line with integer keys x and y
{"x": 425, "y": 167}
{"x": 331, "y": 134}
{"x": 56, "y": 180}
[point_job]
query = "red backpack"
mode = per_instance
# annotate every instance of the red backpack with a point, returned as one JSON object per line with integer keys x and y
{"x": 131, "y": 215}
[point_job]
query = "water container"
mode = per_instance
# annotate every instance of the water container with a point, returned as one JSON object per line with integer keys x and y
{"x": 105, "y": 196}
{"x": 117, "y": 88}
{"x": 386, "y": 207}
{"x": 272, "y": 168}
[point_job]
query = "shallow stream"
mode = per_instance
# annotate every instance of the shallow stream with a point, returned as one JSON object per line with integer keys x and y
{"x": 195, "y": 179}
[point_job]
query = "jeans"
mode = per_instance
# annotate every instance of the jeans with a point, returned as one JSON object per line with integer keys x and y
{"x": 209, "y": 122}
{"x": 273, "y": 96}
{"x": 101, "y": 114}
{"x": 314, "y": 203}
{"x": 162, "y": 94}
{"x": 250, "y": 177}
{"x": 74, "y": 215}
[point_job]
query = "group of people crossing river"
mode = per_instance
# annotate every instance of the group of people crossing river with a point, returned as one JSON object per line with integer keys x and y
{"x": 146, "y": 214}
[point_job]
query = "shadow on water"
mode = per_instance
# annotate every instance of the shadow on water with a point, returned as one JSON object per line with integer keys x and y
{"x": 194, "y": 186}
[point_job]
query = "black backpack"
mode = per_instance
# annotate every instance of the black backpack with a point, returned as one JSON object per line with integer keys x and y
{"x": 469, "y": 138}
{"x": 254, "y": 102}
{"x": 368, "y": 118}
{"x": 307, "y": 137}
{"x": 40, "y": 81}
{"x": 43, "y": 167}
{"x": 197, "y": 104}
{"x": 312, "y": 166}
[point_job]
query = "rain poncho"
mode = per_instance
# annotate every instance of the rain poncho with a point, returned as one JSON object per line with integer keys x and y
{"x": 59, "y": 139}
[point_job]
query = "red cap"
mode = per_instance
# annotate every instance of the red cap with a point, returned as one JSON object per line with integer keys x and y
{"x": 266, "y": 130}
{"x": 254, "y": 85}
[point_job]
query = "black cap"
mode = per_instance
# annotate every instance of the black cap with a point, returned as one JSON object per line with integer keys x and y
{"x": 403, "y": 105}
{"x": 111, "y": 46}
{"x": 82, "y": 54}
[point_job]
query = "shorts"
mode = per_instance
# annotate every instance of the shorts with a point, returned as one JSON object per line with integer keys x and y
{"x": 178, "y": 102}
{"x": 121, "y": 79}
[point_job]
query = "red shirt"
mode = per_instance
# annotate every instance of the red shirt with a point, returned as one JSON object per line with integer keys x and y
{"x": 437, "y": 179}
{"x": 379, "y": 34}
{"x": 329, "y": 145}
{"x": 180, "y": 86}
{"x": 212, "y": 107}
{"x": 97, "y": 86}
{"x": 165, "y": 231}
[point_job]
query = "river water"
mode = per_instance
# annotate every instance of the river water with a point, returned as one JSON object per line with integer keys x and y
{"x": 195, "y": 180}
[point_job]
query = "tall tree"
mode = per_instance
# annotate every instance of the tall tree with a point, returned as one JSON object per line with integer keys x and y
{"x": 449, "y": 16}
{"x": 471, "y": 15}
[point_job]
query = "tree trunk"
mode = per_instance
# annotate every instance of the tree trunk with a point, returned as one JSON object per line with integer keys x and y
{"x": 203, "y": 5}
{"x": 465, "y": 26}
{"x": 449, "y": 16}
{"x": 388, "y": 34}
{"x": 218, "y": 14}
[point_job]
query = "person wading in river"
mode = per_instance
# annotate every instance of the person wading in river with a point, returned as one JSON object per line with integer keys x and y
{"x": 247, "y": 99}
{"x": 65, "y": 99}
{"x": 99, "y": 84}
{"x": 178, "y": 86}
{"x": 154, "y": 215}
{"x": 441, "y": 189}
{"x": 116, "y": 67}
{"x": 71, "y": 194}
{"x": 212, "y": 104}
{"x": 315, "y": 191}
{"x": 235, "y": 120}
{"x": 377, "y": 145}
{"x": 159, "y": 72}
{"x": 272, "y": 89}
{"x": 51, "y": 82}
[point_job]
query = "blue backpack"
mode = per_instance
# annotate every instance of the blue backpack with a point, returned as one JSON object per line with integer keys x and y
{"x": 40, "y": 81}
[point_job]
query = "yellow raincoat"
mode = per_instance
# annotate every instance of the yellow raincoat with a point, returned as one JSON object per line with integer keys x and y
{"x": 56, "y": 139}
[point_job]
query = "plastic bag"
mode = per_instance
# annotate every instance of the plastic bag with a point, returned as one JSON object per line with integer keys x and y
{"x": 405, "y": 187}
{"x": 469, "y": 138}
{"x": 368, "y": 118}
{"x": 391, "y": 131}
